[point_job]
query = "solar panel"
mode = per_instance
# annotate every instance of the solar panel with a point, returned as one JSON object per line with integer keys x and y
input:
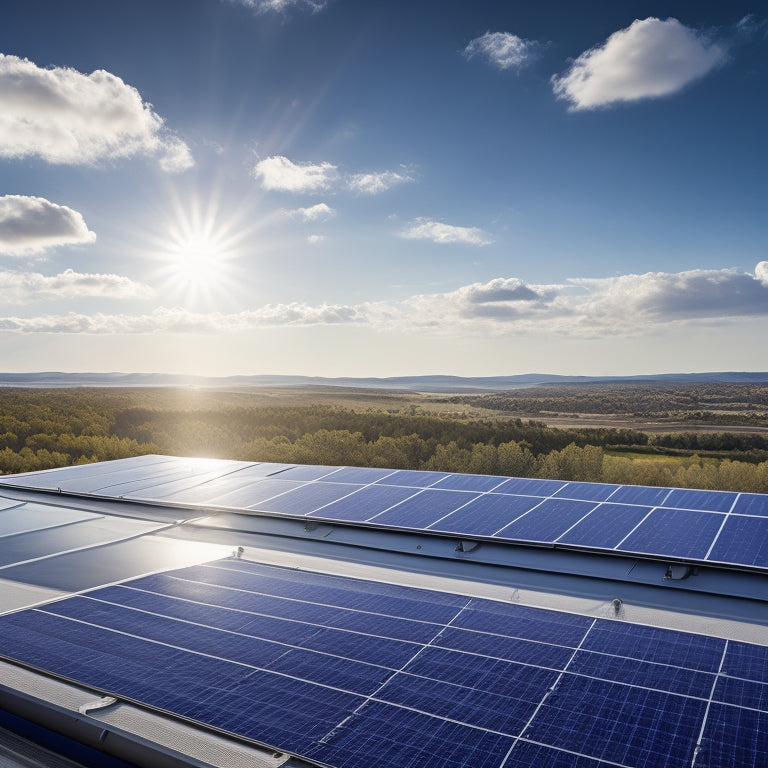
{"x": 348, "y": 672}
{"x": 672, "y": 524}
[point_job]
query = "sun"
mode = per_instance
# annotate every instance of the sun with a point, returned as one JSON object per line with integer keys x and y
{"x": 197, "y": 261}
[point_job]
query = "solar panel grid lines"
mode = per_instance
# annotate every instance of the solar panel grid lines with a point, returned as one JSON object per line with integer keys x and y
{"x": 699, "y": 740}
{"x": 722, "y": 525}
{"x": 440, "y": 701}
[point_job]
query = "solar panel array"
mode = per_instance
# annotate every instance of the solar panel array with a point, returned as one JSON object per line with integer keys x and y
{"x": 719, "y": 527}
{"x": 352, "y": 673}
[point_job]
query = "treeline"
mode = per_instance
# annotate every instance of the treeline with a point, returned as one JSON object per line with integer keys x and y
{"x": 45, "y": 429}
{"x": 711, "y": 402}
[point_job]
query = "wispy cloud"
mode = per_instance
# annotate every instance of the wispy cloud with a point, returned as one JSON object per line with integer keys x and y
{"x": 319, "y": 212}
{"x": 503, "y": 49}
{"x": 30, "y": 225}
{"x": 283, "y": 175}
{"x": 374, "y": 183}
{"x": 437, "y": 232}
{"x": 650, "y": 58}
{"x": 281, "y": 6}
{"x": 29, "y": 287}
{"x": 66, "y": 117}
{"x": 627, "y": 305}
{"x": 315, "y": 239}
{"x": 278, "y": 173}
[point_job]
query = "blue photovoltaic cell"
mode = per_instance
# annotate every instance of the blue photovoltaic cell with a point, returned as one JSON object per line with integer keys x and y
{"x": 662, "y": 677}
{"x": 528, "y": 487}
{"x": 412, "y": 479}
{"x": 626, "y": 725}
{"x": 306, "y": 499}
{"x": 752, "y": 504}
{"x": 586, "y": 491}
{"x": 742, "y": 540}
{"x": 365, "y": 503}
{"x": 605, "y": 526}
{"x": 674, "y": 532}
{"x": 640, "y": 494}
{"x": 350, "y": 673}
{"x": 723, "y": 742}
{"x": 305, "y": 472}
{"x": 747, "y": 661}
{"x": 711, "y": 501}
{"x": 357, "y": 475}
{"x": 745, "y": 693}
{"x": 663, "y": 646}
{"x": 470, "y": 482}
{"x": 381, "y": 736}
{"x": 547, "y": 521}
{"x": 424, "y": 509}
{"x": 486, "y": 514}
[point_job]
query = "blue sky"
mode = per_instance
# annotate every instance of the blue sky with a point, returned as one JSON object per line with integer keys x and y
{"x": 383, "y": 188}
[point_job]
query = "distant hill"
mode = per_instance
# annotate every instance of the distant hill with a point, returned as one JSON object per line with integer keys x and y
{"x": 431, "y": 384}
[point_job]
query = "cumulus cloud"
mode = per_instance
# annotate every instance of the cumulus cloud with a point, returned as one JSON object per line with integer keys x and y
{"x": 281, "y": 6}
{"x": 319, "y": 212}
{"x": 426, "y": 229}
{"x": 503, "y": 49}
{"x": 374, "y": 183}
{"x": 648, "y": 59}
{"x": 281, "y": 174}
{"x": 27, "y": 287}
{"x": 65, "y": 117}
{"x": 30, "y": 225}
{"x": 626, "y": 305}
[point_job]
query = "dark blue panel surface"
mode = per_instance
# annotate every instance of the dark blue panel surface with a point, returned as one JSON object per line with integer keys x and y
{"x": 664, "y": 646}
{"x": 734, "y": 737}
{"x": 470, "y": 482}
{"x": 358, "y": 475}
{"x": 587, "y": 491}
{"x": 383, "y": 736}
{"x": 605, "y": 526}
{"x": 647, "y": 496}
{"x": 527, "y": 755}
{"x": 674, "y": 532}
{"x": 424, "y": 509}
{"x": 473, "y": 670}
{"x": 712, "y": 501}
{"x": 522, "y": 621}
{"x": 662, "y": 677}
{"x": 547, "y": 521}
{"x": 752, "y": 504}
{"x": 747, "y": 661}
{"x": 266, "y": 489}
{"x": 305, "y": 472}
{"x": 625, "y": 725}
{"x": 486, "y": 514}
{"x": 527, "y": 486}
{"x": 742, "y": 540}
{"x": 745, "y": 693}
{"x": 365, "y": 503}
{"x": 413, "y": 479}
{"x": 306, "y": 499}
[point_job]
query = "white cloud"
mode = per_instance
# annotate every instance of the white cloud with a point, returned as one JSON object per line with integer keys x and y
{"x": 28, "y": 287}
{"x": 374, "y": 183}
{"x": 181, "y": 321}
{"x": 623, "y": 306}
{"x": 648, "y": 59}
{"x": 319, "y": 212}
{"x": 503, "y": 49}
{"x": 426, "y": 229}
{"x": 30, "y": 225}
{"x": 315, "y": 239}
{"x": 66, "y": 117}
{"x": 281, "y": 6}
{"x": 281, "y": 174}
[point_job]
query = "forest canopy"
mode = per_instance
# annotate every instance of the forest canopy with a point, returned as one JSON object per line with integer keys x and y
{"x": 42, "y": 429}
